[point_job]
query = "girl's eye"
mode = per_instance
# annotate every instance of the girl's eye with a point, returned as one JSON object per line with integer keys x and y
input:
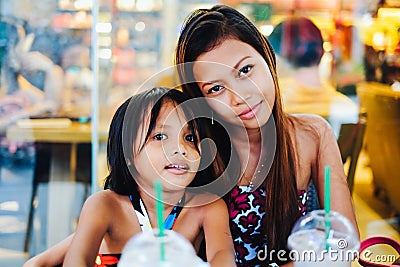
{"x": 215, "y": 89}
{"x": 244, "y": 71}
{"x": 160, "y": 137}
{"x": 189, "y": 137}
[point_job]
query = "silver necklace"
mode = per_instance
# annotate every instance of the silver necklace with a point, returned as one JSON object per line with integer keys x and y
{"x": 251, "y": 184}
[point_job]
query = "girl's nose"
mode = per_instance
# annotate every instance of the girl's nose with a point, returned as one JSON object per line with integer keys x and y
{"x": 183, "y": 152}
{"x": 180, "y": 149}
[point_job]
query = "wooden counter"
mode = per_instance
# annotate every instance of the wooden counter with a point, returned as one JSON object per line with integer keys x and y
{"x": 75, "y": 133}
{"x": 60, "y": 135}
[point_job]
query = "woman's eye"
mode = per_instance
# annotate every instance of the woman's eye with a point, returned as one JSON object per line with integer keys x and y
{"x": 189, "y": 137}
{"x": 244, "y": 71}
{"x": 160, "y": 137}
{"x": 215, "y": 89}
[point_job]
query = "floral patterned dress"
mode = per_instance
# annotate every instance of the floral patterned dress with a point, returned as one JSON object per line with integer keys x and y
{"x": 246, "y": 210}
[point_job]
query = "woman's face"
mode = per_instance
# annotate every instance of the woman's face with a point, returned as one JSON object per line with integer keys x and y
{"x": 169, "y": 153}
{"x": 237, "y": 83}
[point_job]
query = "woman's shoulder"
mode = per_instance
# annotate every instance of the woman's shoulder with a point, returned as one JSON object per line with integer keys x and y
{"x": 309, "y": 121}
{"x": 311, "y": 130}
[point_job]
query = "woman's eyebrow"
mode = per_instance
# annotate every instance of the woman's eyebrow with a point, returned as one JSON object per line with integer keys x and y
{"x": 233, "y": 69}
{"x": 210, "y": 83}
{"x": 240, "y": 62}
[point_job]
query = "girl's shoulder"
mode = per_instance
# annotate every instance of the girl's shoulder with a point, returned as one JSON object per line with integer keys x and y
{"x": 109, "y": 206}
{"x": 104, "y": 194}
{"x": 106, "y": 199}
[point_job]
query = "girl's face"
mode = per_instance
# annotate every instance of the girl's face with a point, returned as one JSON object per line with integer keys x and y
{"x": 237, "y": 83}
{"x": 169, "y": 153}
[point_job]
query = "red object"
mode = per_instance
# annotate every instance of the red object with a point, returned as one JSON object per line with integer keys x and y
{"x": 377, "y": 240}
{"x": 124, "y": 71}
{"x": 105, "y": 260}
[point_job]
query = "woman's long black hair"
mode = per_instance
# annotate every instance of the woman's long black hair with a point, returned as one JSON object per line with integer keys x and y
{"x": 204, "y": 30}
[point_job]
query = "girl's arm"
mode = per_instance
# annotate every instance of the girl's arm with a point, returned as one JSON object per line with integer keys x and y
{"x": 51, "y": 257}
{"x": 219, "y": 245}
{"x": 329, "y": 155}
{"x": 93, "y": 224}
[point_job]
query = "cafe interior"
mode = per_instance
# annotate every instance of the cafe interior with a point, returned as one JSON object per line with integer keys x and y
{"x": 53, "y": 152}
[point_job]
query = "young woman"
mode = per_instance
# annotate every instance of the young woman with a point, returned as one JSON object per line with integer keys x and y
{"x": 226, "y": 64}
{"x": 152, "y": 136}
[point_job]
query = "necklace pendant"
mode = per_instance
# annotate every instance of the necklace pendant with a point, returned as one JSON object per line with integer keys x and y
{"x": 251, "y": 185}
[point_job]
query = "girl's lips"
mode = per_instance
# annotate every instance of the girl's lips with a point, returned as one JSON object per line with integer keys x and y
{"x": 177, "y": 168}
{"x": 250, "y": 113}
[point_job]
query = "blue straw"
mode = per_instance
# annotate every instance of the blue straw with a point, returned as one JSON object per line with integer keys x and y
{"x": 160, "y": 210}
{"x": 327, "y": 204}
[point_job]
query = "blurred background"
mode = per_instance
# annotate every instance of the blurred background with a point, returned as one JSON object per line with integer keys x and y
{"x": 65, "y": 65}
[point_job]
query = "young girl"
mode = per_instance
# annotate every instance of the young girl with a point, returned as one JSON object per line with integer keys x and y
{"x": 152, "y": 136}
{"x": 227, "y": 65}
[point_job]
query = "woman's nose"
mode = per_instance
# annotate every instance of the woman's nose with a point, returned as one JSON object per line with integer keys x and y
{"x": 238, "y": 96}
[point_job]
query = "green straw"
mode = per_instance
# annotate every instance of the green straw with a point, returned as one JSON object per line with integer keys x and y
{"x": 160, "y": 223}
{"x": 327, "y": 204}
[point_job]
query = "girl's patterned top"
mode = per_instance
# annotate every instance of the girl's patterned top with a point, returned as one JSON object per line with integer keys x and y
{"x": 246, "y": 210}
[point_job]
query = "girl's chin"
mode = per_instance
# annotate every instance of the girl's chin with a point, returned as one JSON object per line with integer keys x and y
{"x": 175, "y": 184}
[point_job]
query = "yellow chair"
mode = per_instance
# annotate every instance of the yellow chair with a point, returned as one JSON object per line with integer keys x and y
{"x": 350, "y": 143}
{"x": 382, "y": 108}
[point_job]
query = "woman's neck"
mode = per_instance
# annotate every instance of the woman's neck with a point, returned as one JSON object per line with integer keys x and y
{"x": 248, "y": 144}
{"x": 242, "y": 136}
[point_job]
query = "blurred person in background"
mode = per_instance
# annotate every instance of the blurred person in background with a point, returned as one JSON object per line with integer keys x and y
{"x": 31, "y": 84}
{"x": 76, "y": 63}
{"x": 31, "y": 80}
{"x": 298, "y": 42}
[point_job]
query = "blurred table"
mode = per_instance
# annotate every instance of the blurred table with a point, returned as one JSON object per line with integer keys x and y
{"x": 72, "y": 134}
{"x": 61, "y": 138}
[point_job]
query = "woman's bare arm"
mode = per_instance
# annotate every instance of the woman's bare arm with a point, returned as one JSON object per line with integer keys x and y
{"x": 340, "y": 196}
{"x": 219, "y": 244}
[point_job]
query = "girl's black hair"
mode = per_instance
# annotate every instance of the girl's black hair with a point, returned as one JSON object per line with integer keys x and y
{"x": 124, "y": 129}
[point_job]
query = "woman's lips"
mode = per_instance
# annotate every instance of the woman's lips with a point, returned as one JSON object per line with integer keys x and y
{"x": 250, "y": 113}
